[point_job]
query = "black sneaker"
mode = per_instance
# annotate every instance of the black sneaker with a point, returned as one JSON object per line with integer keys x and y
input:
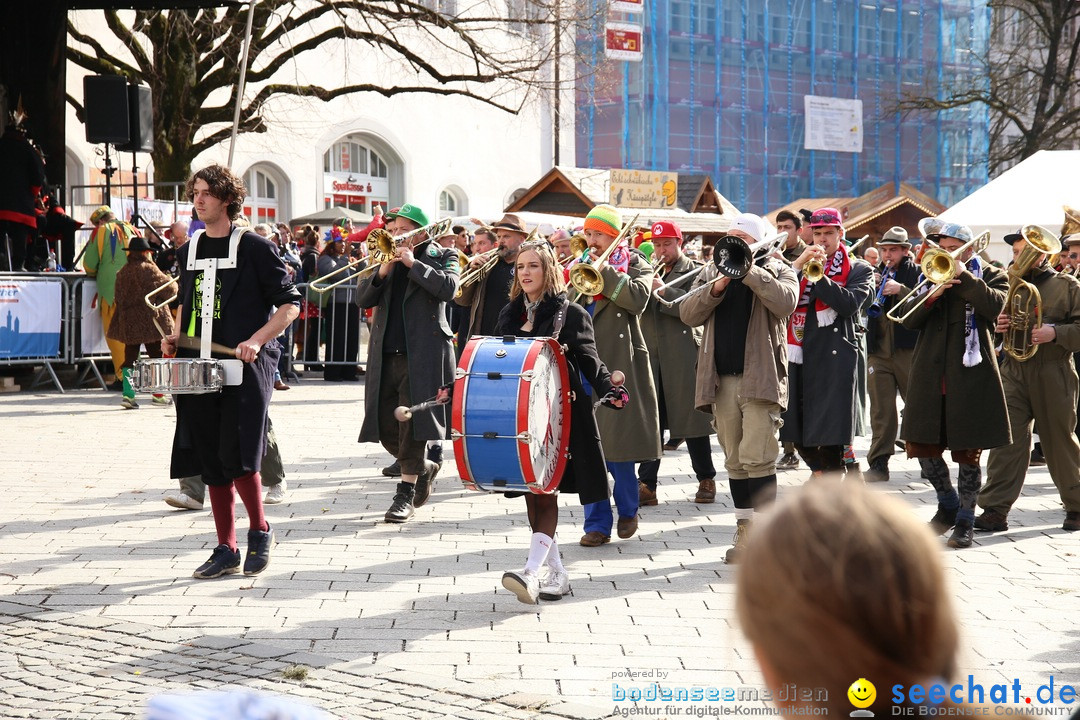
{"x": 402, "y": 508}
{"x": 961, "y": 535}
{"x": 879, "y": 470}
{"x": 789, "y": 461}
{"x": 393, "y": 470}
{"x": 1037, "y": 458}
{"x": 223, "y": 561}
{"x": 258, "y": 555}
{"x": 943, "y": 520}
{"x": 424, "y": 482}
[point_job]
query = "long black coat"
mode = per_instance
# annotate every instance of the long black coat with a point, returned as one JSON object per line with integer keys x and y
{"x": 433, "y": 280}
{"x": 830, "y": 363}
{"x": 907, "y": 274}
{"x": 247, "y": 296}
{"x": 975, "y": 415}
{"x": 586, "y": 473}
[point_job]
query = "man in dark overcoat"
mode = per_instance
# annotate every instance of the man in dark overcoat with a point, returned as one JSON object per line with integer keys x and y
{"x": 822, "y": 345}
{"x": 410, "y": 354}
{"x": 958, "y": 402}
{"x": 673, "y": 350}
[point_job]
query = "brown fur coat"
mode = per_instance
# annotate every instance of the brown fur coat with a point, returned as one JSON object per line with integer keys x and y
{"x": 133, "y": 321}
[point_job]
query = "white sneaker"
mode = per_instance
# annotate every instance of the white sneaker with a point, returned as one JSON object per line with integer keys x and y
{"x": 524, "y": 584}
{"x": 276, "y": 494}
{"x": 555, "y": 584}
{"x": 182, "y": 501}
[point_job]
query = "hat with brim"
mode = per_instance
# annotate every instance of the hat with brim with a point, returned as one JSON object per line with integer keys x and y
{"x": 895, "y": 236}
{"x": 933, "y": 228}
{"x": 1070, "y": 240}
{"x": 826, "y": 217}
{"x": 512, "y": 223}
{"x": 137, "y": 244}
{"x": 1012, "y": 237}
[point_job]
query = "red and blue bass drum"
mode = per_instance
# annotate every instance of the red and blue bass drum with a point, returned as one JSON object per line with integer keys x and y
{"x": 510, "y": 420}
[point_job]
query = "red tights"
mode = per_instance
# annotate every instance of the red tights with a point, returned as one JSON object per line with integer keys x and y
{"x": 249, "y": 488}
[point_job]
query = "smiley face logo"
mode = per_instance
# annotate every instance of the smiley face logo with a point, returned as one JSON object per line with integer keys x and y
{"x": 862, "y": 693}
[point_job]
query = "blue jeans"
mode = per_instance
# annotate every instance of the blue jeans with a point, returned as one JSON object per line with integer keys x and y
{"x": 598, "y": 514}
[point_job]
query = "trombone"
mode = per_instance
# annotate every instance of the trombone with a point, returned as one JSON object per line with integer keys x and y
{"x": 585, "y": 276}
{"x": 733, "y": 258}
{"x": 382, "y": 248}
{"x": 157, "y": 306}
{"x": 938, "y": 267}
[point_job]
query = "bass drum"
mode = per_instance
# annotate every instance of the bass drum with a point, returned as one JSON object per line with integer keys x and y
{"x": 510, "y": 419}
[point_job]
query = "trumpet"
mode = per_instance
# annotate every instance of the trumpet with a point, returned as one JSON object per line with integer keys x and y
{"x": 473, "y": 275}
{"x": 382, "y": 248}
{"x": 1023, "y": 301}
{"x": 938, "y": 267}
{"x": 578, "y": 247}
{"x": 733, "y": 258}
{"x": 585, "y": 276}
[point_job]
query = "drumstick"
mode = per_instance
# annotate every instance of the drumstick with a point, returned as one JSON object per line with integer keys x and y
{"x": 194, "y": 342}
{"x": 617, "y": 377}
{"x": 402, "y": 413}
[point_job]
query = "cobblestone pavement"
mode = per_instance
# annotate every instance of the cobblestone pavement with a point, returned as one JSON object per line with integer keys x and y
{"x": 98, "y": 609}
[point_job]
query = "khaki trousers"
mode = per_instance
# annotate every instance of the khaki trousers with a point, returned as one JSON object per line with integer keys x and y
{"x": 886, "y": 376}
{"x": 1044, "y": 393}
{"x": 747, "y": 429}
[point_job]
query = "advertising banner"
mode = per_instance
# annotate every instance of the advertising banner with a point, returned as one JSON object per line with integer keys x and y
{"x": 833, "y": 124}
{"x": 627, "y": 6}
{"x": 91, "y": 333}
{"x": 30, "y": 315}
{"x": 643, "y": 189}
{"x": 622, "y": 41}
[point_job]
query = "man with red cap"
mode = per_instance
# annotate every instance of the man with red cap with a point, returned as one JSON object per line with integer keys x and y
{"x": 673, "y": 348}
{"x": 741, "y": 374}
{"x": 823, "y": 345}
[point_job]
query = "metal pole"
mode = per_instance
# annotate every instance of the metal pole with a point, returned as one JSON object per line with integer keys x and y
{"x": 240, "y": 85}
{"x": 558, "y": 85}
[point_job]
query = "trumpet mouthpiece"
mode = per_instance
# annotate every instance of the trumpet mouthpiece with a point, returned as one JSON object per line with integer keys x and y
{"x": 402, "y": 413}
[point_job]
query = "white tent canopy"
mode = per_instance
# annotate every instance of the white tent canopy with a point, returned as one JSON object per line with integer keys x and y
{"x": 1031, "y": 193}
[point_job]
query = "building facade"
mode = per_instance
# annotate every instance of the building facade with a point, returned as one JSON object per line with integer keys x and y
{"x": 721, "y": 84}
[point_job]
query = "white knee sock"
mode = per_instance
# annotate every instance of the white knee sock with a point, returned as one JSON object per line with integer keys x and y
{"x": 538, "y": 552}
{"x": 553, "y": 560}
{"x": 744, "y": 513}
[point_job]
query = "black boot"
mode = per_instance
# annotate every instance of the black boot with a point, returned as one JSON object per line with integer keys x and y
{"x": 402, "y": 509}
{"x": 943, "y": 519}
{"x": 961, "y": 535}
{"x": 879, "y": 470}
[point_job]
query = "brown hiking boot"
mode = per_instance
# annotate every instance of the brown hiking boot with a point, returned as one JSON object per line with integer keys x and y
{"x": 646, "y": 497}
{"x": 742, "y": 538}
{"x": 992, "y": 521}
{"x": 706, "y": 491}
{"x": 1072, "y": 521}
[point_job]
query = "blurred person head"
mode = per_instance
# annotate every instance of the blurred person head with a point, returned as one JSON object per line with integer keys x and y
{"x": 872, "y": 256}
{"x": 842, "y": 583}
{"x": 893, "y": 246}
{"x": 483, "y": 240}
{"x": 263, "y": 230}
{"x": 667, "y": 240}
{"x": 790, "y": 223}
{"x": 178, "y": 234}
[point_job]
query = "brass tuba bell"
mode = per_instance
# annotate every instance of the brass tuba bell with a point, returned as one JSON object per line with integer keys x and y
{"x": 1023, "y": 302}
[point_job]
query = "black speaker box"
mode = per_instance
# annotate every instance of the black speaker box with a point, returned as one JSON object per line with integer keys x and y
{"x": 140, "y": 120}
{"x": 105, "y": 102}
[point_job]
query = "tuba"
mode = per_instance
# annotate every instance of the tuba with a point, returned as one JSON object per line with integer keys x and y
{"x": 1023, "y": 303}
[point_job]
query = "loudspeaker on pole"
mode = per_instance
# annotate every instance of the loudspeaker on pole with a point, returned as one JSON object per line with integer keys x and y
{"x": 105, "y": 102}
{"x": 140, "y": 120}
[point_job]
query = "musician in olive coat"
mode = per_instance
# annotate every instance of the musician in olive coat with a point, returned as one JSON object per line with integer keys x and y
{"x": 958, "y": 402}
{"x": 410, "y": 354}
{"x": 632, "y": 434}
{"x": 673, "y": 348}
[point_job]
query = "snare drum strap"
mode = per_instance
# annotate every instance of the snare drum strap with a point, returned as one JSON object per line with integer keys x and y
{"x": 209, "y": 267}
{"x": 560, "y": 319}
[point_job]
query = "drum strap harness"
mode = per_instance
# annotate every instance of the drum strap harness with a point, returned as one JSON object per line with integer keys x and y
{"x": 209, "y": 267}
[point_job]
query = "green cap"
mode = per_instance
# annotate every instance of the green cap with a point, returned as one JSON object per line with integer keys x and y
{"x": 412, "y": 212}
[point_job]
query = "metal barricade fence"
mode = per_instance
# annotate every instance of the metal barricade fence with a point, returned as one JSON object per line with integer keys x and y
{"x": 86, "y": 340}
{"x": 34, "y": 324}
{"x": 328, "y": 335}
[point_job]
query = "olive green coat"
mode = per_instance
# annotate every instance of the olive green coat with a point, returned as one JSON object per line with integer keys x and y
{"x": 633, "y": 433}
{"x": 673, "y": 348}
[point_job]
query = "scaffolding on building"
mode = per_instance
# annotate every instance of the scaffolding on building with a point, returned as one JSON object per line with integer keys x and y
{"x": 721, "y": 84}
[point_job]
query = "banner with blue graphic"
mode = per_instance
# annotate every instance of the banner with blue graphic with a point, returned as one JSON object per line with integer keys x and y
{"x": 30, "y": 315}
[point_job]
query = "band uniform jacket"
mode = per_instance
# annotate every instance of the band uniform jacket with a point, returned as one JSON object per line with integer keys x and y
{"x": 433, "y": 281}
{"x": 247, "y": 295}
{"x": 907, "y": 274}
{"x": 1060, "y": 295}
{"x": 474, "y": 297}
{"x": 133, "y": 320}
{"x": 585, "y": 472}
{"x": 633, "y": 433}
{"x": 977, "y": 417}
{"x": 673, "y": 348}
{"x": 765, "y": 372}
{"x": 830, "y": 363}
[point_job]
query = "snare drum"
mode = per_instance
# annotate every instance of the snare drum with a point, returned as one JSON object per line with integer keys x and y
{"x": 180, "y": 376}
{"x": 510, "y": 421}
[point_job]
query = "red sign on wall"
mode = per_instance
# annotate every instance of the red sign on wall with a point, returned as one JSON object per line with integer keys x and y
{"x": 622, "y": 41}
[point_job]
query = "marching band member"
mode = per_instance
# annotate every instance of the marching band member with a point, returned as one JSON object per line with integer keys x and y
{"x": 410, "y": 354}
{"x": 792, "y": 224}
{"x": 488, "y": 295}
{"x": 890, "y": 347}
{"x": 1041, "y": 389}
{"x": 560, "y": 240}
{"x": 538, "y": 307}
{"x": 823, "y": 348}
{"x": 742, "y": 368}
{"x": 672, "y": 349}
{"x": 958, "y": 403}
{"x": 634, "y": 435}
{"x": 223, "y": 435}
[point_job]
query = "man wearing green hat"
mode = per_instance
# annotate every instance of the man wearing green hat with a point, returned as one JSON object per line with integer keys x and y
{"x": 410, "y": 353}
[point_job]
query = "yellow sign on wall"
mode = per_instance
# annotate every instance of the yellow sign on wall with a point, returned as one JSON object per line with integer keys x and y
{"x": 643, "y": 189}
